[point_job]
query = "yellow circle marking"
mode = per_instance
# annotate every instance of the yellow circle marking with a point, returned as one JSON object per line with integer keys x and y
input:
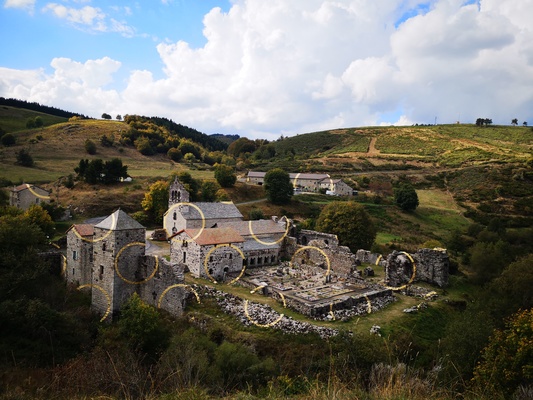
{"x": 319, "y": 250}
{"x": 28, "y": 186}
{"x": 269, "y": 243}
{"x": 295, "y": 180}
{"x": 270, "y": 324}
{"x": 104, "y": 292}
{"x": 127, "y": 280}
{"x": 412, "y": 276}
{"x": 218, "y": 246}
{"x": 369, "y": 304}
{"x": 169, "y": 232}
{"x": 64, "y": 265}
{"x": 331, "y": 311}
{"x": 175, "y": 286}
{"x": 379, "y": 259}
{"x": 113, "y": 226}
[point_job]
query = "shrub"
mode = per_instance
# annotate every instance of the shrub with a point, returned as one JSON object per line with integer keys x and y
{"x": 24, "y": 158}
{"x": 90, "y": 147}
{"x": 8, "y": 139}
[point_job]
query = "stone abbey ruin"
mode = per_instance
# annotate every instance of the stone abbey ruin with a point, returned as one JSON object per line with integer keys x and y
{"x": 307, "y": 271}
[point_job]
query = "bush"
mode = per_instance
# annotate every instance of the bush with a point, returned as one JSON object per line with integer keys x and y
{"x": 90, "y": 147}
{"x": 8, "y": 139}
{"x": 24, "y": 158}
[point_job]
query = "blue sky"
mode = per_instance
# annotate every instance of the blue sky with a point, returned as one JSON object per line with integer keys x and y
{"x": 264, "y": 68}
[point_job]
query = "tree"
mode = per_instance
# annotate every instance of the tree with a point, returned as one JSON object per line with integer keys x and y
{"x": 24, "y": 158}
{"x": 107, "y": 141}
{"x": 119, "y": 117}
{"x": 174, "y": 154}
{"x": 40, "y": 217}
{"x": 209, "y": 190}
{"x": 155, "y": 201}
{"x": 114, "y": 171}
{"x": 278, "y": 186}
{"x": 225, "y": 175}
{"x": 144, "y": 147}
{"x": 506, "y": 361}
{"x": 90, "y": 147}
{"x": 106, "y": 116}
{"x": 8, "y": 140}
{"x": 141, "y": 325}
{"x": 350, "y": 222}
{"x": 405, "y": 196}
{"x": 524, "y": 123}
{"x": 38, "y": 122}
{"x": 514, "y": 122}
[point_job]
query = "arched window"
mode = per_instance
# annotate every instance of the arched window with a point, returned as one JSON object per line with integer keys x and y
{"x": 175, "y": 216}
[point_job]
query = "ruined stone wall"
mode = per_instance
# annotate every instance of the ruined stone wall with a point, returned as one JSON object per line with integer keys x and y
{"x": 305, "y": 236}
{"x": 367, "y": 257}
{"x": 430, "y": 265}
{"x": 341, "y": 259}
{"x": 220, "y": 261}
{"x": 166, "y": 289}
{"x": 433, "y": 266}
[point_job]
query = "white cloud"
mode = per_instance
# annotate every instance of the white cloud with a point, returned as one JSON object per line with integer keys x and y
{"x": 90, "y": 18}
{"x": 73, "y": 86}
{"x": 301, "y": 65}
{"x": 24, "y": 4}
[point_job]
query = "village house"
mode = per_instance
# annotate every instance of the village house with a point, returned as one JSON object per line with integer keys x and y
{"x": 26, "y": 195}
{"x": 307, "y": 182}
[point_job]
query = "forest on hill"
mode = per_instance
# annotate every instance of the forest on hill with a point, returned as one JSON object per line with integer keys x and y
{"x": 474, "y": 185}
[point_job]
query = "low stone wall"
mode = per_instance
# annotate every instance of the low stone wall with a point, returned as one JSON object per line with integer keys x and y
{"x": 430, "y": 265}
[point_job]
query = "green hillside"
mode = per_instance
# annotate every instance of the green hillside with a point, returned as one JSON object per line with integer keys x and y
{"x": 14, "y": 119}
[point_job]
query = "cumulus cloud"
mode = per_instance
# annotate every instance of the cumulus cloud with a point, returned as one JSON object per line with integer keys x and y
{"x": 73, "y": 86}
{"x": 288, "y": 67}
{"x": 25, "y": 4}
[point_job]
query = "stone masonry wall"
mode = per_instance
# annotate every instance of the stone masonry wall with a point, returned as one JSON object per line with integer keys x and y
{"x": 432, "y": 266}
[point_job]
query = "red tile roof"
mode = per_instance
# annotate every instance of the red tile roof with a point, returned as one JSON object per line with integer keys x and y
{"x": 83, "y": 229}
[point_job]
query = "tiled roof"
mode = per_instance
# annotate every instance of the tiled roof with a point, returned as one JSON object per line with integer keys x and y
{"x": 83, "y": 229}
{"x": 292, "y": 175}
{"x": 213, "y": 211}
{"x": 259, "y": 227}
{"x": 302, "y": 175}
{"x": 25, "y": 186}
{"x": 253, "y": 244}
{"x": 212, "y": 236}
{"x": 119, "y": 221}
{"x": 256, "y": 174}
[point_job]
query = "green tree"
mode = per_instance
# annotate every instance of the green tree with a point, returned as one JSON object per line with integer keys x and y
{"x": 488, "y": 260}
{"x": 40, "y": 217}
{"x": 507, "y": 360}
{"x": 155, "y": 201}
{"x": 225, "y": 175}
{"x": 144, "y": 147}
{"x": 208, "y": 191}
{"x": 114, "y": 171}
{"x": 191, "y": 185}
{"x": 174, "y": 154}
{"x": 256, "y": 214}
{"x": 106, "y": 116}
{"x": 141, "y": 325}
{"x": 90, "y": 147}
{"x": 38, "y": 122}
{"x": 8, "y": 139}
{"x": 24, "y": 158}
{"x": 405, "y": 197}
{"x": 350, "y": 222}
{"x": 278, "y": 186}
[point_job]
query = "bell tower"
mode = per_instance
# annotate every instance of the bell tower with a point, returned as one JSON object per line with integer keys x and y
{"x": 177, "y": 193}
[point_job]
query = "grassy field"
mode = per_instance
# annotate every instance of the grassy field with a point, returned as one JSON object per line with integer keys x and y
{"x": 14, "y": 119}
